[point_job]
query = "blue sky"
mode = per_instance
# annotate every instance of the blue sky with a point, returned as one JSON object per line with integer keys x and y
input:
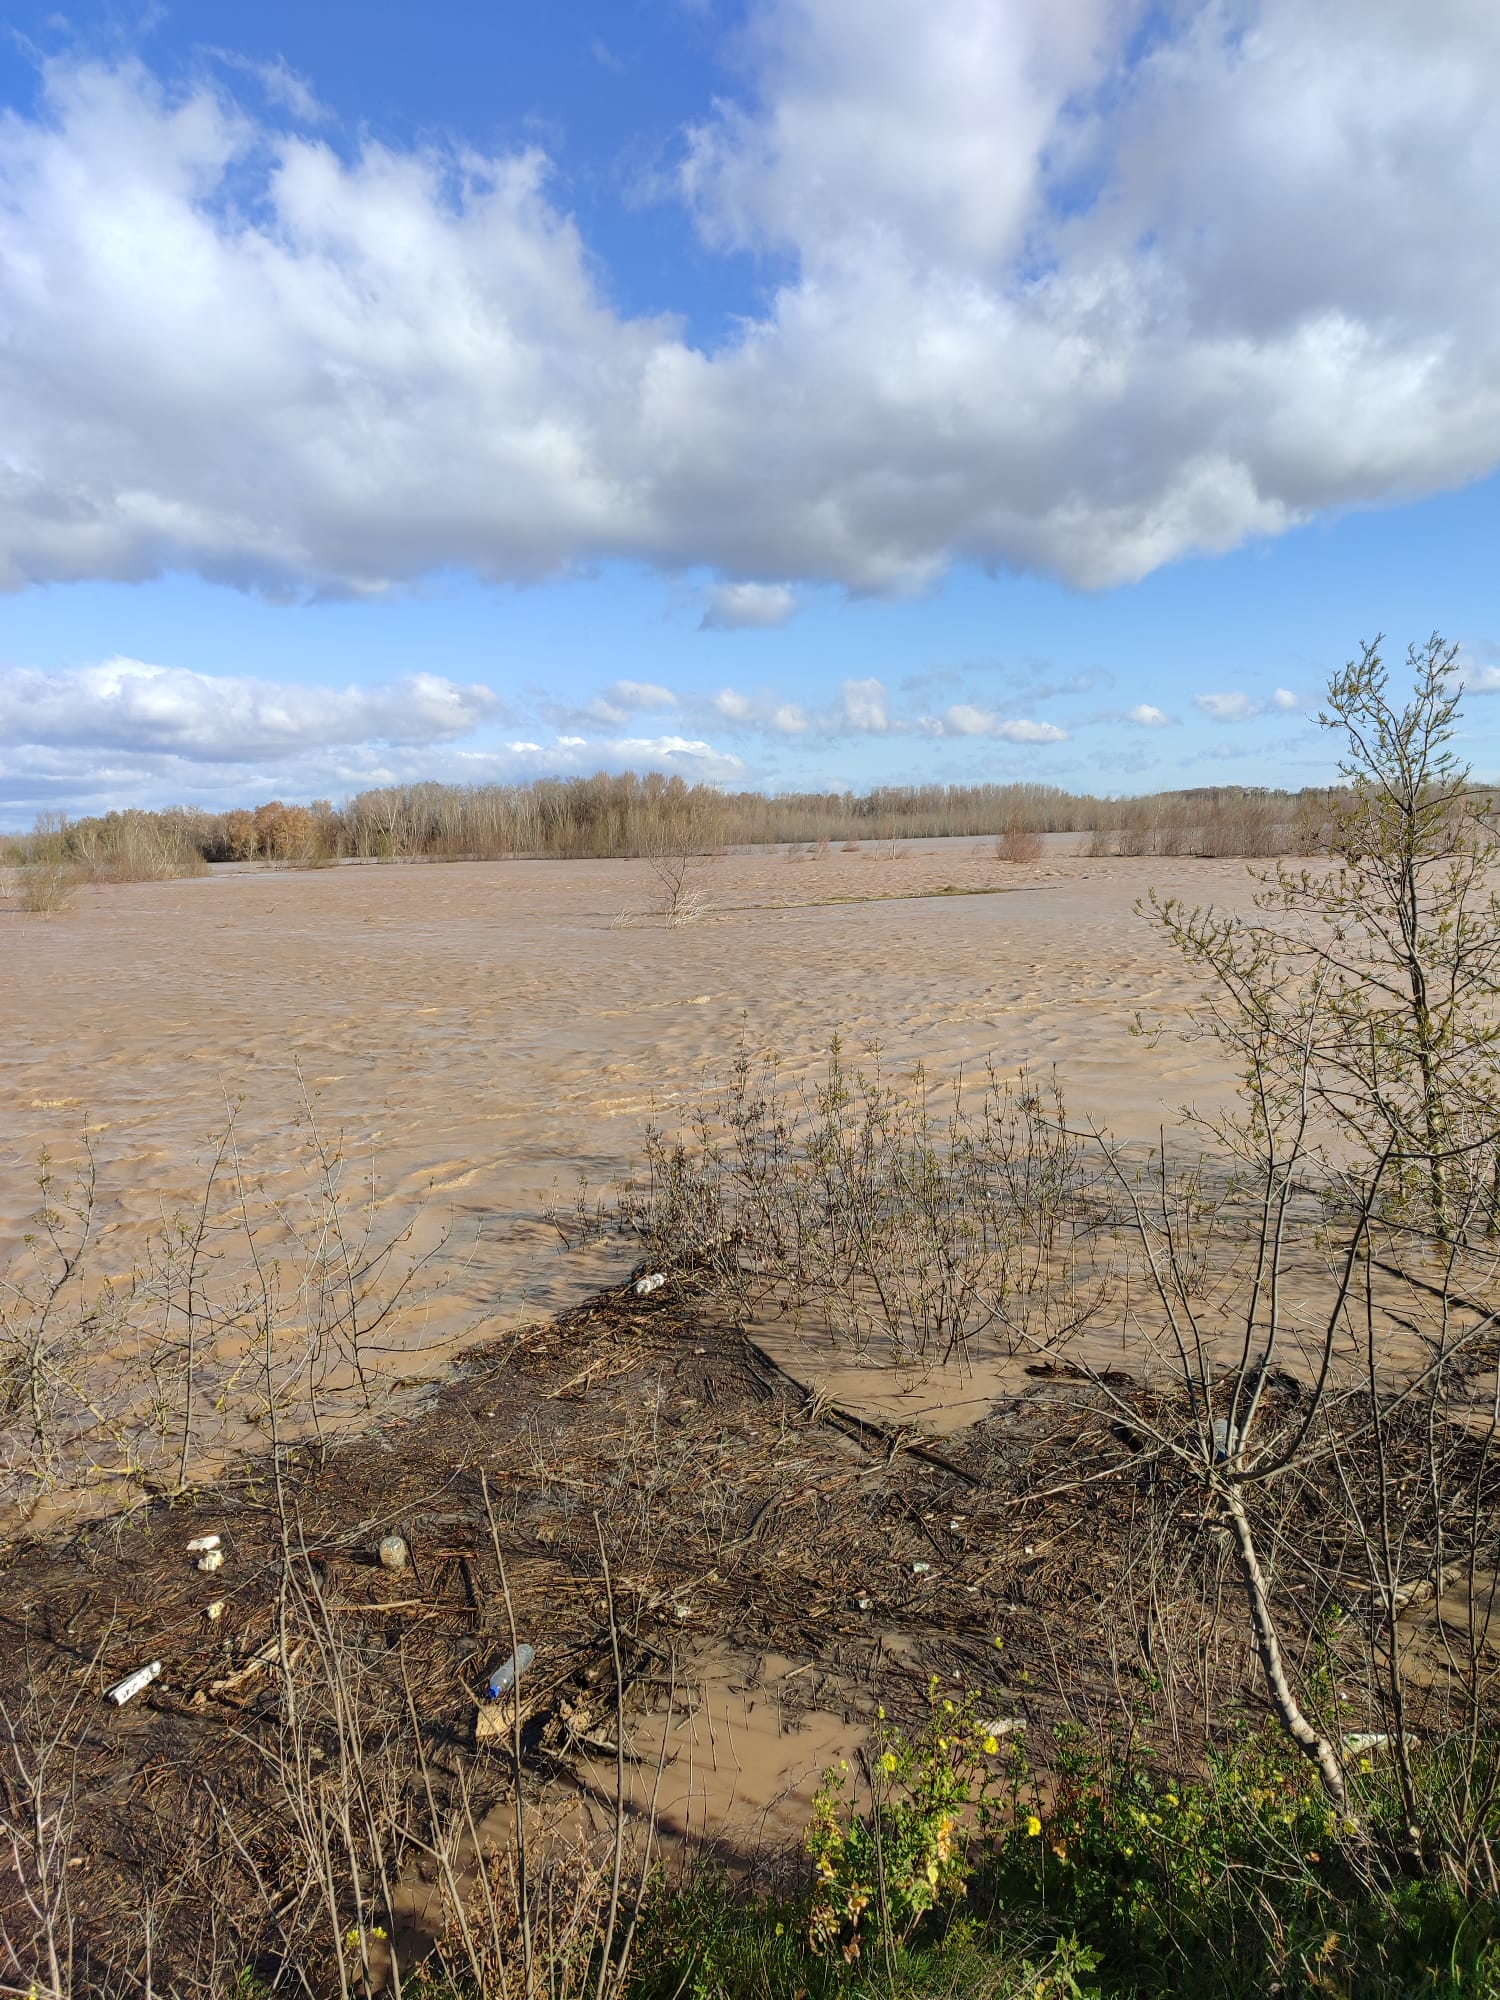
{"x": 788, "y": 393}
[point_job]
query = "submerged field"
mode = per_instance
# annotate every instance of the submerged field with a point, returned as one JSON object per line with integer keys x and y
{"x": 472, "y": 1038}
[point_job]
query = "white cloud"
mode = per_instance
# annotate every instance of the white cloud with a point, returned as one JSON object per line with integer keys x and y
{"x": 635, "y": 695}
{"x": 1079, "y": 288}
{"x": 1025, "y": 731}
{"x": 691, "y": 755}
{"x": 967, "y": 719}
{"x": 964, "y": 719}
{"x": 280, "y": 82}
{"x": 1148, "y": 716}
{"x": 864, "y": 706}
{"x": 1237, "y": 706}
{"x": 863, "y": 709}
{"x": 1232, "y": 707}
{"x": 770, "y": 712}
{"x": 733, "y": 606}
{"x": 617, "y": 704}
{"x": 130, "y": 705}
{"x": 1481, "y": 680}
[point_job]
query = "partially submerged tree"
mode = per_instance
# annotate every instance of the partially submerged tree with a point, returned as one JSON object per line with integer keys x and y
{"x": 1383, "y": 969}
{"x": 679, "y": 843}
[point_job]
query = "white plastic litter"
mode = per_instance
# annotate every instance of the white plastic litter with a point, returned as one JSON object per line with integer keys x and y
{"x": 124, "y": 1690}
{"x": 212, "y": 1560}
{"x": 215, "y": 1611}
{"x": 394, "y": 1553}
{"x": 920, "y": 1569}
{"x": 865, "y": 1603}
{"x": 1374, "y": 1739}
{"x": 201, "y": 1544}
{"x": 652, "y": 1282}
{"x": 503, "y": 1679}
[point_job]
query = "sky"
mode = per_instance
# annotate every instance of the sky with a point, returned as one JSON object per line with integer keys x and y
{"x": 788, "y": 393}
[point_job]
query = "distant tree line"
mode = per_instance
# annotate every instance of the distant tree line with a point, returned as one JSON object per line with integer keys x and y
{"x": 628, "y": 814}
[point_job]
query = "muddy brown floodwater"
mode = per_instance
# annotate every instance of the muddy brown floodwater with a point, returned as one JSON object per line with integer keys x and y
{"x": 477, "y": 1035}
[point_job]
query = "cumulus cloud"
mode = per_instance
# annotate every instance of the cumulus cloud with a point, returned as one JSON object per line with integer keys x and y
{"x": 1148, "y": 716}
{"x": 733, "y": 606}
{"x": 619, "y": 702}
{"x": 864, "y": 706}
{"x": 771, "y": 712}
{"x": 133, "y": 706}
{"x": 965, "y": 719}
{"x": 1074, "y": 288}
{"x": 1235, "y": 706}
{"x": 671, "y": 753}
{"x": 1023, "y": 730}
{"x": 634, "y": 695}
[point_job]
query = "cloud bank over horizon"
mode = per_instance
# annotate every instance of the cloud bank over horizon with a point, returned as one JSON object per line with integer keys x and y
{"x": 1071, "y": 289}
{"x": 127, "y": 732}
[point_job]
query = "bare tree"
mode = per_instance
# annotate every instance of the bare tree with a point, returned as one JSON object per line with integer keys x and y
{"x": 680, "y": 843}
{"x": 1386, "y": 966}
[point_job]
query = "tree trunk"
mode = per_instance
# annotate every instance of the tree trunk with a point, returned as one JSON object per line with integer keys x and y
{"x": 1315, "y": 1747}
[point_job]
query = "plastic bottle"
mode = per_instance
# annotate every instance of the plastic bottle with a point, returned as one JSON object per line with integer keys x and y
{"x": 503, "y": 1679}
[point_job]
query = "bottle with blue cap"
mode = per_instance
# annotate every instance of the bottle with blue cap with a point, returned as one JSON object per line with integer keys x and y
{"x": 504, "y": 1678}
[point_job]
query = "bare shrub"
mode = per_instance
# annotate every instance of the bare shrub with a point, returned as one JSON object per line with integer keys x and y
{"x": 46, "y": 888}
{"x": 253, "y": 1314}
{"x": 902, "y": 1217}
{"x": 1019, "y": 842}
{"x": 1346, "y": 1482}
{"x": 38, "y": 1812}
{"x": 678, "y": 900}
